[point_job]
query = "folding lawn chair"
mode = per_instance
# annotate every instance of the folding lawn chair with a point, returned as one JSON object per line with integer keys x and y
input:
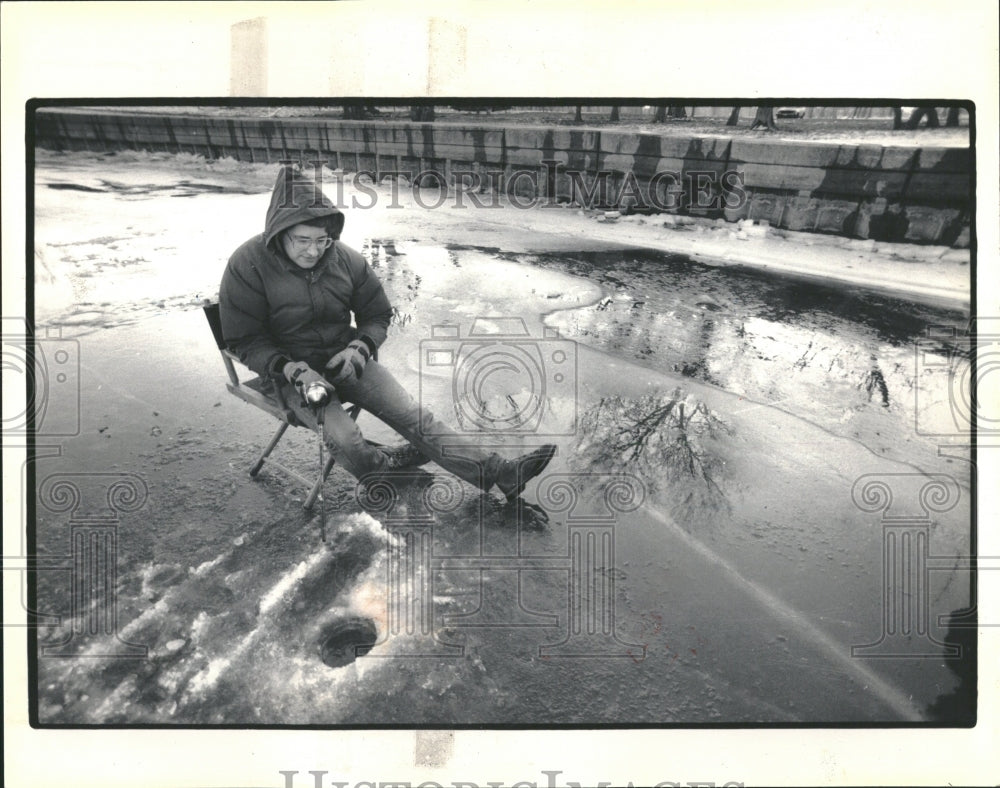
{"x": 266, "y": 395}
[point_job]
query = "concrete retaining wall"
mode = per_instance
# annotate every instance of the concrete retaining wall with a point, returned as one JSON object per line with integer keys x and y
{"x": 905, "y": 194}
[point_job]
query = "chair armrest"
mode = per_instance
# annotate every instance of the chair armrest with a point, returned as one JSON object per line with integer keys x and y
{"x": 279, "y": 393}
{"x": 228, "y": 358}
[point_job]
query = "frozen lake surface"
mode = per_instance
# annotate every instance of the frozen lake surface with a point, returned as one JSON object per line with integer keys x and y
{"x": 711, "y": 564}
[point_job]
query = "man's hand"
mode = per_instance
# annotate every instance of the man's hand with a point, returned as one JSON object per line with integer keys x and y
{"x": 347, "y": 365}
{"x": 302, "y": 375}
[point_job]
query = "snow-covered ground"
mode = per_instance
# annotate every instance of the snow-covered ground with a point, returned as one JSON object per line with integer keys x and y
{"x": 743, "y": 385}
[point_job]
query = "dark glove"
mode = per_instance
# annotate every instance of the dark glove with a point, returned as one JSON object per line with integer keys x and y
{"x": 347, "y": 365}
{"x": 301, "y": 375}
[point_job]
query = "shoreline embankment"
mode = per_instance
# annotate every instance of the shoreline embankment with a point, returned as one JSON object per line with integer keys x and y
{"x": 888, "y": 194}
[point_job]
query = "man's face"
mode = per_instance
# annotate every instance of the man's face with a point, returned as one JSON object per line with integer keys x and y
{"x": 305, "y": 244}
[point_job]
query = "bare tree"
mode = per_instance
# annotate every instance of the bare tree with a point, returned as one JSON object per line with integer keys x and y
{"x": 354, "y": 109}
{"x": 765, "y": 118}
{"x": 666, "y": 440}
{"x": 360, "y": 109}
{"x": 924, "y": 112}
{"x": 615, "y": 114}
{"x": 672, "y": 111}
{"x": 422, "y": 113}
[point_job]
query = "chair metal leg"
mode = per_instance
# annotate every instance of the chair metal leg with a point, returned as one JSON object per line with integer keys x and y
{"x": 270, "y": 447}
{"x": 314, "y": 492}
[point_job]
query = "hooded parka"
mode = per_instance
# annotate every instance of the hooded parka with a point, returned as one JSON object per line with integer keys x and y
{"x": 273, "y": 311}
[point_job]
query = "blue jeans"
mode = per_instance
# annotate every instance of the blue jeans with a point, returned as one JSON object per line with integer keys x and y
{"x": 379, "y": 393}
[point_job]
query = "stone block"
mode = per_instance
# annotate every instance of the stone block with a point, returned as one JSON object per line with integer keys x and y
{"x": 775, "y": 175}
{"x": 707, "y": 149}
{"x": 881, "y": 220}
{"x": 866, "y": 157}
{"x": 939, "y": 188}
{"x": 737, "y": 213}
{"x": 862, "y": 183}
{"x": 766, "y": 206}
{"x": 894, "y": 158}
{"x": 875, "y": 157}
{"x": 931, "y": 225}
{"x": 836, "y": 216}
{"x": 800, "y": 213}
{"x": 548, "y": 139}
{"x": 963, "y": 239}
{"x": 953, "y": 160}
{"x": 615, "y": 143}
{"x": 791, "y": 154}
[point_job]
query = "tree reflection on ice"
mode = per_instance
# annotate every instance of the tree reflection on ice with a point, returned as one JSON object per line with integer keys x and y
{"x": 666, "y": 440}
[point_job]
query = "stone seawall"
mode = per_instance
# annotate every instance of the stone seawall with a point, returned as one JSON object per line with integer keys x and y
{"x": 897, "y": 194}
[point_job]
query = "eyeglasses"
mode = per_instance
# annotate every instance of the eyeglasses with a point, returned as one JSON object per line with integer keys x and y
{"x": 300, "y": 243}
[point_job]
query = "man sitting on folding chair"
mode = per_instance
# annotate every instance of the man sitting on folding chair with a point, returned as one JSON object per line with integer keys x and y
{"x": 286, "y": 301}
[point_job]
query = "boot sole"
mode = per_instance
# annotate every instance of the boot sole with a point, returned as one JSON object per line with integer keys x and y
{"x": 515, "y": 493}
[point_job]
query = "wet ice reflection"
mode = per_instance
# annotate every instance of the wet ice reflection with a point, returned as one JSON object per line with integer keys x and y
{"x": 671, "y": 441}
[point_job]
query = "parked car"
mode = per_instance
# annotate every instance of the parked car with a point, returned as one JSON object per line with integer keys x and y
{"x": 790, "y": 112}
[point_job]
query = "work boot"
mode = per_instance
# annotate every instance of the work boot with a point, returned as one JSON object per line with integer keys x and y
{"x": 405, "y": 456}
{"x": 515, "y": 474}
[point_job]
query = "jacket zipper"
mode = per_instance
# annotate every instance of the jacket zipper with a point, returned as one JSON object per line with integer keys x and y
{"x": 311, "y": 279}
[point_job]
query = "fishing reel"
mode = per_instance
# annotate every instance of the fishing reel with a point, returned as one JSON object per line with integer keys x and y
{"x": 316, "y": 395}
